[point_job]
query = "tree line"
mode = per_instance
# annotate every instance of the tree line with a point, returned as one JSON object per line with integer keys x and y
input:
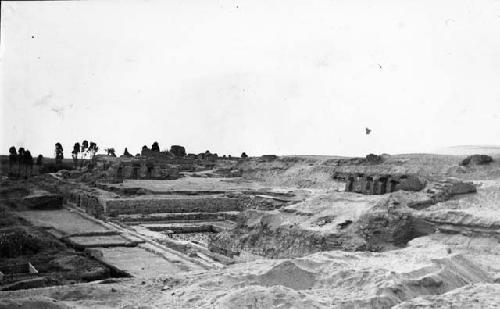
{"x": 21, "y": 162}
{"x": 86, "y": 150}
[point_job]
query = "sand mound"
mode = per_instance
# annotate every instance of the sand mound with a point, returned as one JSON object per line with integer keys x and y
{"x": 289, "y": 275}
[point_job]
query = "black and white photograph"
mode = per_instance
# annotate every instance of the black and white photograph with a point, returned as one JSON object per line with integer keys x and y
{"x": 248, "y": 154}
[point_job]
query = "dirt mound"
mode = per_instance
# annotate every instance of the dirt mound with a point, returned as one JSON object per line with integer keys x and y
{"x": 289, "y": 275}
{"x": 340, "y": 279}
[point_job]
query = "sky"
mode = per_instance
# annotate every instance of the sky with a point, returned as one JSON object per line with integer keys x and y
{"x": 260, "y": 76}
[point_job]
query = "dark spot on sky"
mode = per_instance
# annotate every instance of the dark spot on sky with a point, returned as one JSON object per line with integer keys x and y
{"x": 32, "y": 36}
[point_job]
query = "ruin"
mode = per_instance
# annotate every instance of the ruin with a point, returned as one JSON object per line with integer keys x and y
{"x": 476, "y": 160}
{"x": 378, "y": 184}
{"x": 157, "y": 213}
{"x": 142, "y": 169}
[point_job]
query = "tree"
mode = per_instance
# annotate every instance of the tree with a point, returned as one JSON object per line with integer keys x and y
{"x": 244, "y": 155}
{"x": 83, "y": 150}
{"x": 85, "y": 145}
{"x": 74, "y": 154}
{"x": 28, "y": 163}
{"x": 155, "y": 147}
{"x": 39, "y": 160}
{"x": 144, "y": 150}
{"x": 110, "y": 152}
{"x": 12, "y": 159}
{"x": 92, "y": 150}
{"x": 20, "y": 160}
{"x": 59, "y": 153}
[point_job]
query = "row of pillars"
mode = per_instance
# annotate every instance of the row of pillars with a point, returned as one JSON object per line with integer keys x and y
{"x": 370, "y": 185}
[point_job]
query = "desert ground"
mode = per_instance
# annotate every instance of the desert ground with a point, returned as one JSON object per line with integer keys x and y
{"x": 153, "y": 231}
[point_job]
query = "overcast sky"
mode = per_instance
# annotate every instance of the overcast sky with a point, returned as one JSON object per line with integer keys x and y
{"x": 261, "y": 76}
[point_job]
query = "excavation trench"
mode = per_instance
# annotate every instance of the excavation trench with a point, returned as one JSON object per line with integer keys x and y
{"x": 199, "y": 216}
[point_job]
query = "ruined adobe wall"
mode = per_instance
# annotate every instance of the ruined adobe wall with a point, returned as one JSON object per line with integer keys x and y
{"x": 142, "y": 170}
{"x": 149, "y": 168}
{"x": 160, "y": 155}
{"x": 88, "y": 201}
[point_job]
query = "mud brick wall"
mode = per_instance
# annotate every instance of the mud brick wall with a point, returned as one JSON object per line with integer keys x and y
{"x": 88, "y": 202}
{"x": 113, "y": 207}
